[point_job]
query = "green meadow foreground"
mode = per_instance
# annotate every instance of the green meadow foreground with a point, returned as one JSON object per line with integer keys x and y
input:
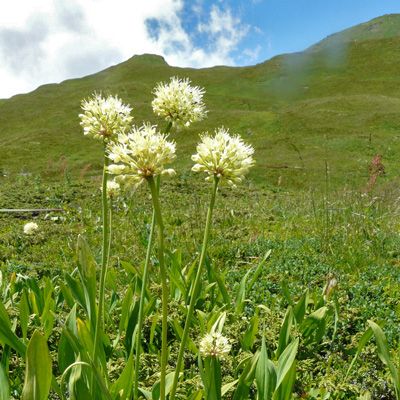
{"x": 275, "y": 278}
{"x": 314, "y": 237}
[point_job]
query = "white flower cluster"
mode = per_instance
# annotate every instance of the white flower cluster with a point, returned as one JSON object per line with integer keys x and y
{"x": 179, "y": 102}
{"x": 224, "y": 156}
{"x": 30, "y": 228}
{"x": 139, "y": 154}
{"x": 104, "y": 118}
{"x": 214, "y": 345}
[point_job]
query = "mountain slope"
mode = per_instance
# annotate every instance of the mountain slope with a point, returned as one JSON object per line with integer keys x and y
{"x": 336, "y": 104}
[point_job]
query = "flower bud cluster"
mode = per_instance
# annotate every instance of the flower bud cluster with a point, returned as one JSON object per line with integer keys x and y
{"x": 178, "y": 102}
{"x": 224, "y": 156}
{"x": 105, "y": 118}
{"x": 139, "y": 154}
{"x": 215, "y": 345}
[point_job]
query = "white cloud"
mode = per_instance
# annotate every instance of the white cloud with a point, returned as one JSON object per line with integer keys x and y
{"x": 252, "y": 54}
{"x": 46, "y": 41}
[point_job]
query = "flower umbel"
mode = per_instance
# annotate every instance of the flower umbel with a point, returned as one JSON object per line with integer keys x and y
{"x": 104, "y": 118}
{"x": 141, "y": 153}
{"x": 224, "y": 156}
{"x": 30, "y": 228}
{"x": 179, "y": 102}
{"x": 214, "y": 345}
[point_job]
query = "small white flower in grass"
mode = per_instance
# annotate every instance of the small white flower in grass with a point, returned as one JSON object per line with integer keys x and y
{"x": 178, "y": 102}
{"x": 140, "y": 154}
{"x": 224, "y": 156}
{"x": 104, "y": 118}
{"x": 215, "y": 345}
{"x": 30, "y": 228}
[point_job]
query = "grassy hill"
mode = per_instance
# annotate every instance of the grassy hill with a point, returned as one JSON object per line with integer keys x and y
{"x": 324, "y": 112}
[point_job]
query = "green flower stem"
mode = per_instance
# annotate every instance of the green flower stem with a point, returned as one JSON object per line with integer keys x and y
{"x": 195, "y": 289}
{"x": 104, "y": 260}
{"x": 141, "y": 306}
{"x": 164, "y": 284}
{"x": 143, "y": 290}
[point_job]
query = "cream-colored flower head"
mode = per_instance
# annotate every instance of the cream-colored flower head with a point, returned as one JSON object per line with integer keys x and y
{"x": 179, "y": 102}
{"x": 113, "y": 188}
{"x": 224, "y": 156}
{"x": 105, "y": 118}
{"x": 30, "y": 228}
{"x": 140, "y": 154}
{"x": 214, "y": 345}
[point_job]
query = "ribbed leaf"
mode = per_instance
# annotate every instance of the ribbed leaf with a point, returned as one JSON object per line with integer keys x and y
{"x": 286, "y": 361}
{"x": 4, "y": 386}
{"x": 38, "y": 369}
{"x": 265, "y": 375}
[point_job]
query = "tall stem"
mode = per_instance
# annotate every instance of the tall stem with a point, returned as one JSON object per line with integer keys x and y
{"x": 141, "y": 306}
{"x": 143, "y": 290}
{"x": 164, "y": 284}
{"x": 104, "y": 260}
{"x": 195, "y": 289}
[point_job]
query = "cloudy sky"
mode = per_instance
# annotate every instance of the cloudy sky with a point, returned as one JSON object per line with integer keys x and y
{"x": 43, "y": 41}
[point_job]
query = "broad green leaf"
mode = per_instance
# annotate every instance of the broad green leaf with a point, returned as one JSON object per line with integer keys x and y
{"x": 67, "y": 294}
{"x": 228, "y": 386}
{"x": 121, "y": 389}
{"x": 284, "y": 334}
{"x": 286, "y": 361}
{"x": 38, "y": 374}
{"x": 265, "y": 375}
{"x": 38, "y": 302}
{"x": 246, "y": 379}
{"x": 299, "y": 310}
{"x": 146, "y": 394}
{"x": 7, "y": 336}
{"x": 4, "y": 318}
{"x": 285, "y": 390}
{"x": 66, "y": 355}
{"x": 314, "y": 325}
{"x": 219, "y": 323}
{"x": 4, "y": 386}
{"x": 155, "y": 392}
{"x": 384, "y": 354}
{"x": 76, "y": 291}
{"x": 222, "y": 287}
{"x": 249, "y": 336}
{"x": 241, "y": 294}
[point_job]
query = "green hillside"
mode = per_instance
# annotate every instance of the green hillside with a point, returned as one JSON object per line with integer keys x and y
{"x": 335, "y": 105}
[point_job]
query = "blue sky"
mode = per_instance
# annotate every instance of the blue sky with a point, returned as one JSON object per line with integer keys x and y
{"x": 45, "y": 41}
{"x": 284, "y": 26}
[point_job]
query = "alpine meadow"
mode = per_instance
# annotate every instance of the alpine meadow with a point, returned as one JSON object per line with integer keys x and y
{"x": 216, "y": 233}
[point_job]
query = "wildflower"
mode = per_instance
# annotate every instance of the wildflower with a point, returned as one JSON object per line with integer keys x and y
{"x": 330, "y": 286}
{"x": 224, "y": 156}
{"x": 113, "y": 188}
{"x": 104, "y": 118}
{"x": 30, "y": 228}
{"x": 140, "y": 154}
{"x": 214, "y": 345}
{"x": 179, "y": 102}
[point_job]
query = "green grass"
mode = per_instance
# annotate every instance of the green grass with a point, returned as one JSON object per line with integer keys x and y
{"x": 298, "y": 110}
{"x": 312, "y": 235}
